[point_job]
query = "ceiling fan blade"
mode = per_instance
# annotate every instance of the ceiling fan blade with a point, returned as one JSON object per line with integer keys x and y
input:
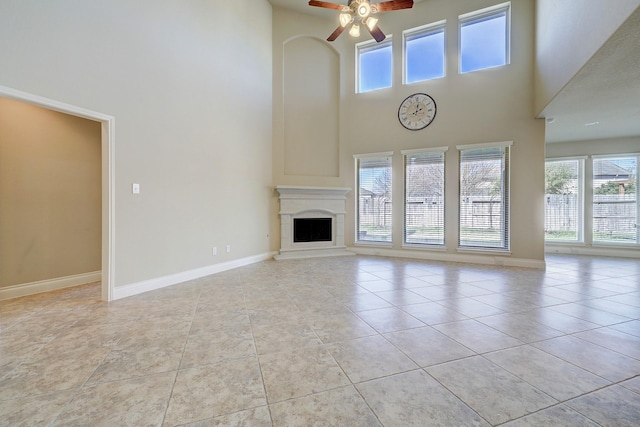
{"x": 336, "y": 33}
{"x": 326, "y": 4}
{"x": 376, "y": 33}
{"x": 387, "y": 6}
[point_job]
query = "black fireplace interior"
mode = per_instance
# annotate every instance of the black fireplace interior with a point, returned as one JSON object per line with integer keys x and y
{"x": 311, "y": 230}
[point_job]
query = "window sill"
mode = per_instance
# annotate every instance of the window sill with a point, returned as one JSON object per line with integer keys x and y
{"x": 500, "y": 252}
{"x": 379, "y": 244}
{"x": 420, "y": 247}
{"x": 616, "y": 245}
{"x": 564, "y": 243}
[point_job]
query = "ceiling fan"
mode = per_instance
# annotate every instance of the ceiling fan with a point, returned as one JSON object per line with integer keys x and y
{"x": 358, "y": 12}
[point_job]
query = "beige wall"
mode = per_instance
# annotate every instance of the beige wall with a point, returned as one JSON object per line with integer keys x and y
{"x": 311, "y": 106}
{"x": 568, "y": 33}
{"x": 189, "y": 84}
{"x": 594, "y": 147}
{"x": 487, "y": 106}
{"x": 50, "y": 194}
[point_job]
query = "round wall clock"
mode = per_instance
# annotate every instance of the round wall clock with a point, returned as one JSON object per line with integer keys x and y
{"x": 417, "y": 111}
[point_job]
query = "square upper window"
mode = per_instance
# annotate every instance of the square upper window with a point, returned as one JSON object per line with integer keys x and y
{"x": 484, "y": 38}
{"x": 374, "y": 64}
{"x": 424, "y": 52}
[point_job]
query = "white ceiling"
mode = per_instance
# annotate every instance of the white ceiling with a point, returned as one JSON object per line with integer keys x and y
{"x": 606, "y": 91}
{"x": 303, "y": 6}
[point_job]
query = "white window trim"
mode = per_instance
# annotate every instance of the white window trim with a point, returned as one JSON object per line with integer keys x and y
{"x": 423, "y": 29}
{"x": 424, "y": 150}
{"x": 614, "y": 156}
{"x": 364, "y": 156}
{"x": 559, "y": 159}
{"x": 484, "y": 145}
{"x": 372, "y": 45}
{"x": 482, "y": 13}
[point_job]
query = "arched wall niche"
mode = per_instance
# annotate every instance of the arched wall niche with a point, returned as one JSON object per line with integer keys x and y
{"x": 311, "y": 107}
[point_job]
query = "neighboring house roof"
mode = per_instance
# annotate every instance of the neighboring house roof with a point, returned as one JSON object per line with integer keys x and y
{"x": 606, "y": 170}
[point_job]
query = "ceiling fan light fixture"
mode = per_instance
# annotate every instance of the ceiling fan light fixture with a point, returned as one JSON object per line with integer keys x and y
{"x": 355, "y": 31}
{"x": 364, "y": 9}
{"x": 371, "y": 23}
{"x": 345, "y": 19}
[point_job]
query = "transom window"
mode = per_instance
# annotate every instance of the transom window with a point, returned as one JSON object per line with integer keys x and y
{"x": 484, "y": 196}
{"x": 374, "y": 222}
{"x": 424, "y": 52}
{"x": 374, "y": 65}
{"x": 424, "y": 219}
{"x": 484, "y": 38}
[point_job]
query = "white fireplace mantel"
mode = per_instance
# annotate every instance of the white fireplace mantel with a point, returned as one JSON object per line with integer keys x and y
{"x": 311, "y": 202}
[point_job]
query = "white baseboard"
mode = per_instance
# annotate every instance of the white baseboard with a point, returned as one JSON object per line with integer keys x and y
{"x": 25, "y": 289}
{"x": 449, "y": 257}
{"x": 173, "y": 279}
{"x": 609, "y": 251}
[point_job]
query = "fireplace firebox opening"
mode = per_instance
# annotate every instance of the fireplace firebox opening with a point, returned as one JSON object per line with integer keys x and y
{"x": 312, "y": 230}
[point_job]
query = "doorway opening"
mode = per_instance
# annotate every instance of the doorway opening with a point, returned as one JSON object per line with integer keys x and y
{"x": 107, "y": 179}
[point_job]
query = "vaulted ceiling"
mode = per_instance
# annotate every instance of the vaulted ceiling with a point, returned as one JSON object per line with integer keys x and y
{"x": 601, "y": 101}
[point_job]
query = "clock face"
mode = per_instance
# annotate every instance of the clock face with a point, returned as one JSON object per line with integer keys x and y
{"x": 417, "y": 111}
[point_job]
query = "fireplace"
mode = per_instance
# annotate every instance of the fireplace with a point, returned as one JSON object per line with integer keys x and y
{"x": 312, "y": 229}
{"x": 311, "y": 222}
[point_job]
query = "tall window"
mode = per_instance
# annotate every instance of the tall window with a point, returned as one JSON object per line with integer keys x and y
{"x": 484, "y": 196}
{"x": 563, "y": 200}
{"x": 375, "y": 65}
{"x": 615, "y": 200}
{"x": 374, "y": 198}
{"x": 484, "y": 38}
{"x": 424, "y": 197}
{"x": 424, "y": 52}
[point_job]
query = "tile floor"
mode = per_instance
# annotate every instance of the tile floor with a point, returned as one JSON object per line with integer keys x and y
{"x": 356, "y": 341}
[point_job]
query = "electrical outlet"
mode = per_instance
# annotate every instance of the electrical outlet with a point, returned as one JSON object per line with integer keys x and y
{"x": 214, "y": 251}
{"x": 135, "y": 188}
{"x": 228, "y": 248}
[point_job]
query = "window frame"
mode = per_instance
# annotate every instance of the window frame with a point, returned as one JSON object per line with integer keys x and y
{"x": 388, "y": 156}
{"x": 601, "y": 243}
{"x": 417, "y": 32}
{"x": 368, "y": 46}
{"x": 481, "y": 15}
{"x": 505, "y": 232}
{"x": 405, "y": 155}
{"x": 580, "y": 215}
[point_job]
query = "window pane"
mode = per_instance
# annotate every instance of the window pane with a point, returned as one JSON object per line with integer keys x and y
{"x": 424, "y": 199}
{"x": 424, "y": 56}
{"x": 562, "y": 219}
{"x": 374, "y": 67}
{"x": 484, "y": 198}
{"x": 374, "y": 199}
{"x": 615, "y": 200}
{"x": 483, "y": 42}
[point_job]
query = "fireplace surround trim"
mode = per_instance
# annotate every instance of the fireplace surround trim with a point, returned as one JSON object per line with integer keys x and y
{"x": 311, "y": 202}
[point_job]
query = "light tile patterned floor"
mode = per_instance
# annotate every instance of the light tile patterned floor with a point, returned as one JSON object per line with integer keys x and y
{"x": 355, "y": 341}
